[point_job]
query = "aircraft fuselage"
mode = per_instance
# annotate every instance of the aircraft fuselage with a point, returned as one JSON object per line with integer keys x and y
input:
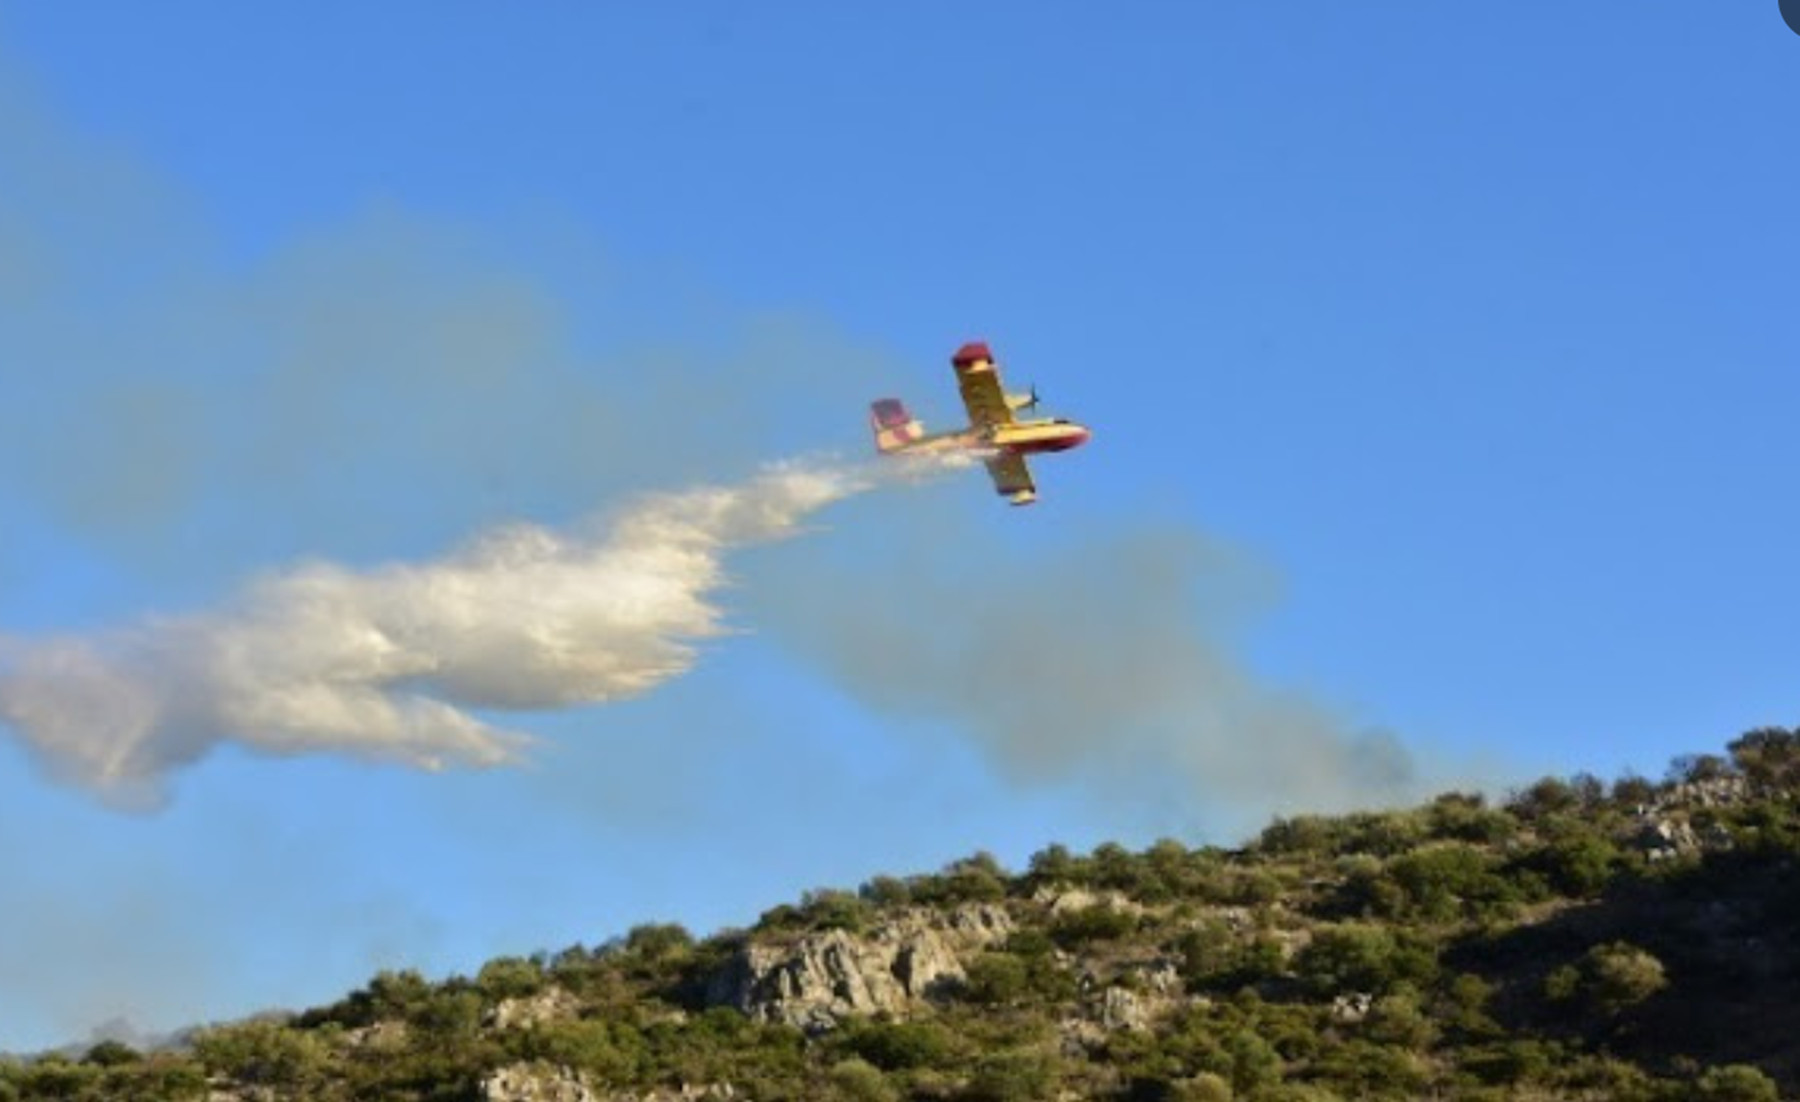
{"x": 1048, "y": 435}
{"x": 1020, "y": 437}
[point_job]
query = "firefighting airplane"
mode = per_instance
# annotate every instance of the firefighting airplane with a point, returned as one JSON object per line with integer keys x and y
{"x": 993, "y": 431}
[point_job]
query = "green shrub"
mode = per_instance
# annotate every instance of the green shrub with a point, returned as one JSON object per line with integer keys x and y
{"x": 111, "y": 1054}
{"x": 1735, "y": 1083}
{"x": 996, "y": 979}
{"x": 1254, "y": 1062}
{"x": 828, "y": 909}
{"x": 1382, "y": 833}
{"x": 886, "y": 891}
{"x": 1620, "y": 975}
{"x": 1695, "y": 768}
{"x": 263, "y": 1054}
{"x": 976, "y": 879}
{"x": 1205, "y": 1087}
{"x": 899, "y": 1046}
{"x": 1768, "y": 756}
{"x": 1545, "y": 797}
{"x": 1450, "y": 880}
{"x": 656, "y": 941}
{"x": 1509, "y": 1062}
{"x": 611, "y": 1052}
{"x": 1359, "y": 1069}
{"x": 1465, "y": 817}
{"x": 1318, "y": 835}
{"x": 855, "y": 1080}
{"x": 1575, "y": 860}
{"x": 1054, "y": 864}
{"x": 1354, "y": 957}
{"x": 1396, "y": 1020}
{"x": 1073, "y": 929}
{"x": 1012, "y": 1077}
{"x": 509, "y": 978}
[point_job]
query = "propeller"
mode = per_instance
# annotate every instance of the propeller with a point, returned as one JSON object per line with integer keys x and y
{"x": 1031, "y": 400}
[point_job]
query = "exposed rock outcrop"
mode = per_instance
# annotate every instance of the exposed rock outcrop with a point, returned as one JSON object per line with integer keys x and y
{"x": 816, "y": 981}
{"x": 536, "y": 1083}
{"x": 1063, "y": 899}
{"x": 543, "y": 1083}
{"x": 1663, "y": 838}
{"x": 1352, "y": 1006}
{"x": 1123, "y": 1008}
{"x": 1704, "y": 792}
{"x": 1134, "y": 997}
{"x": 547, "y": 1005}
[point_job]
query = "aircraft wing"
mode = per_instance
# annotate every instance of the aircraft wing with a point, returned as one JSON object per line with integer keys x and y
{"x": 1012, "y": 478}
{"x": 983, "y": 397}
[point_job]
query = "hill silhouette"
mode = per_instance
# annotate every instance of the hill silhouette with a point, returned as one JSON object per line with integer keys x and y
{"x": 1579, "y": 940}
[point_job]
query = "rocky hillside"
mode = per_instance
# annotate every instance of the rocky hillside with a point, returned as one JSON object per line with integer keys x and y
{"x": 1581, "y": 940}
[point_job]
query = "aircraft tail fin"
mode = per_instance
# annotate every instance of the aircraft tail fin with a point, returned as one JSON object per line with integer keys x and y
{"x": 895, "y": 429}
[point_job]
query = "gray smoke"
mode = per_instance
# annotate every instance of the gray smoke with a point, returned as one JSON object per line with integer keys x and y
{"x": 393, "y": 663}
{"x": 1107, "y": 662}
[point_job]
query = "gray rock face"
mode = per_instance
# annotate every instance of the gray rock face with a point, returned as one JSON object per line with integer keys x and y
{"x": 547, "y": 1005}
{"x": 1352, "y": 1007}
{"x": 1063, "y": 900}
{"x": 1664, "y": 838}
{"x": 542, "y": 1083}
{"x": 536, "y": 1083}
{"x": 1121, "y": 1008}
{"x": 817, "y": 981}
{"x": 1711, "y": 792}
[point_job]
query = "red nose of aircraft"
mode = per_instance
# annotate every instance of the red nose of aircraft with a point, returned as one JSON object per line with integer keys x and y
{"x": 1071, "y": 436}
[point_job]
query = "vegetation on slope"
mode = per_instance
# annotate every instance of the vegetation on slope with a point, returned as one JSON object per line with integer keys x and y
{"x": 1583, "y": 940}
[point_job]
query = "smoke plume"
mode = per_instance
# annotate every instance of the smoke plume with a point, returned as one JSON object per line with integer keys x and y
{"x": 1109, "y": 662}
{"x": 394, "y": 663}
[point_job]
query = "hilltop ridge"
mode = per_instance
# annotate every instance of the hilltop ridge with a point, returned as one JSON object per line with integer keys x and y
{"x": 1579, "y": 940}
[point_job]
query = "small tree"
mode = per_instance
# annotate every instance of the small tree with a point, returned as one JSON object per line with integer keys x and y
{"x": 886, "y": 891}
{"x": 1768, "y": 756}
{"x": 1548, "y": 796}
{"x": 1692, "y": 768}
{"x": 654, "y": 941}
{"x": 829, "y": 909}
{"x": 510, "y": 978}
{"x": 1632, "y": 791}
{"x": 111, "y": 1054}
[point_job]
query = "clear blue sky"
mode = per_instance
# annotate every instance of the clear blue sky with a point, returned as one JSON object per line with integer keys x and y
{"x": 1441, "y": 361}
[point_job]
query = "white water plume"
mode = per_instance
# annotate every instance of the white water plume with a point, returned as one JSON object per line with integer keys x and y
{"x": 390, "y": 663}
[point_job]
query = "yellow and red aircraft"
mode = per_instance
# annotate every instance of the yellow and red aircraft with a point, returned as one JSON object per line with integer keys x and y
{"x": 993, "y": 431}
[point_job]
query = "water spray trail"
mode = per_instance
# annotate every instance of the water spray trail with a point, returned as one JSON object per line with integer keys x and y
{"x": 389, "y": 663}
